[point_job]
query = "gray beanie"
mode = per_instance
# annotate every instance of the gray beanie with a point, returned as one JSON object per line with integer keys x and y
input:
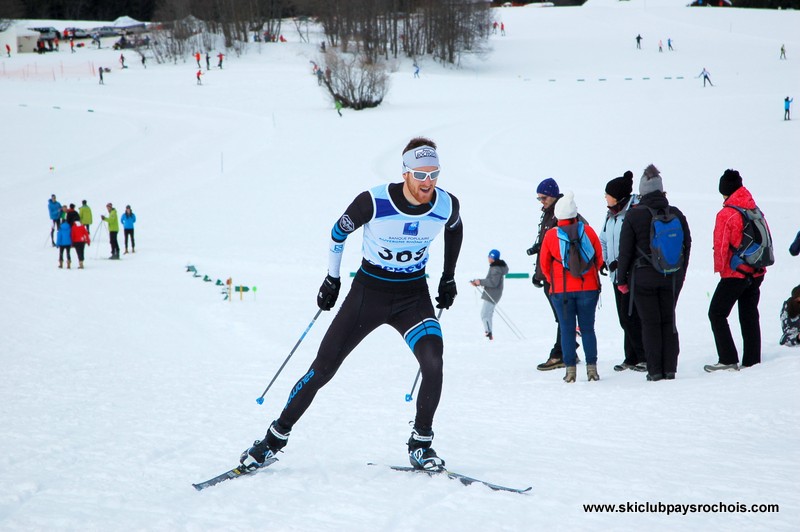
{"x": 651, "y": 181}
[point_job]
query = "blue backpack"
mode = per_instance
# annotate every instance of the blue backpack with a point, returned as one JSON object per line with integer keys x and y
{"x": 666, "y": 242}
{"x": 577, "y": 252}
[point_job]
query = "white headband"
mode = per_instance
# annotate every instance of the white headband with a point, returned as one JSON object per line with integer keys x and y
{"x": 419, "y": 157}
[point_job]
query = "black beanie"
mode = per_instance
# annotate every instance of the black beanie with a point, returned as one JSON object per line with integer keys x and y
{"x": 730, "y": 182}
{"x": 620, "y": 187}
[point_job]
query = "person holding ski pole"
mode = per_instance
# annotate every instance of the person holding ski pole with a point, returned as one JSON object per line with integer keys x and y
{"x": 492, "y": 289}
{"x": 400, "y": 222}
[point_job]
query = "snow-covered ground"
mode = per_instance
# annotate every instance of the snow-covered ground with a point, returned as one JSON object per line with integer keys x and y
{"x": 128, "y": 381}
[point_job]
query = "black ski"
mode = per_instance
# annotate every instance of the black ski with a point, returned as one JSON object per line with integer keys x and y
{"x": 464, "y": 479}
{"x": 236, "y": 472}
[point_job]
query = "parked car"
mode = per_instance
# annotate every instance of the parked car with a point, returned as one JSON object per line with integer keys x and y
{"x": 75, "y": 33}
{"x": 47, "y": 33}
{"x": 104, "y": 31}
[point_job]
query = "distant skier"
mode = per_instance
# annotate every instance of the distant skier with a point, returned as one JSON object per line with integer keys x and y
{"x": 54, "y": 209}
{"x": 71, "y": 46}
{"x": 208, "y": 61}
{"x": 639, "y": 42}
{"x": 660, "y": 46}
{"x": 122, "y": 60}
{"x": 101, "y": 76}
{"x": 416, "y": 70}
{"x": 197, "y": 58}
{"x": 787, "y": 103}
{"x": 494, "y": 28}
{"x": 669, "y": 45}
{"x": 320, "y": 76}
{"x": 503, "y": 29}
{"x": 144, "y": 62}
{"x": 492, "y": 289}
{"x": 8, "y": 50}
{"x": 783, "y": 51}
{"x": 220, "y": 56}
{"x": 199, "y": 74}
{"x": 338, "y": 106}
{"x": 705, "y": 73}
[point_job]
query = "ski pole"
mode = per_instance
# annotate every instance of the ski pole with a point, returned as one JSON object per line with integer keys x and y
{"x": 260, "y": 400}
{"x": 94, "y": 238}
{"x": 410, "y": 396}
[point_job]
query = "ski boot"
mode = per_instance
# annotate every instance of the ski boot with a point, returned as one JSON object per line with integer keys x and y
{"x": 420, "y": 453}
{"x": 276, "y": 439}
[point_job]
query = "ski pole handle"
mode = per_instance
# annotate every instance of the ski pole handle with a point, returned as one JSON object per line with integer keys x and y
{"x": 260, "y": 400}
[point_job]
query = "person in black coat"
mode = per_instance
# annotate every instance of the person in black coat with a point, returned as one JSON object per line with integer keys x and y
{"x": 654, "y": 294}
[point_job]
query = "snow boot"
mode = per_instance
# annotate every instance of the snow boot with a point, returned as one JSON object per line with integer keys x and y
{"x": 80, "y": 265}
{"x": 60, "y": 264}
{"x": 420, "y": 453}
{"x": 571, "y": 374}
{"x": 551, "y": 363}
{"x": 717, "y": 367}
{"x": 489, "y": 336}
{"x": 69, "y": 264}
{"x": 276, "y": 439}
{"x": 591, "y": 372}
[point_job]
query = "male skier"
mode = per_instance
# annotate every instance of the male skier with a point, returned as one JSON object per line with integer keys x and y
{"x": 400, "y": 221}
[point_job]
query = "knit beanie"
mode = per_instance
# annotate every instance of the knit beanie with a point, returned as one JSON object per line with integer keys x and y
{"x": 565, "y": 207}
{"x": 494, "y": 254}
{"x": 620, "y": 187}
{"x": 548, "y": 187}
{"x": 730, "y": 182}
{"x": 651, "y": 181}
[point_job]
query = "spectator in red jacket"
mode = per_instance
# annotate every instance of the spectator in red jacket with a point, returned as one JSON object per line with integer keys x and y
{"x": 740, "y": 285}
{"x": 574, "y": 298}
{"x": 80, "y": 239}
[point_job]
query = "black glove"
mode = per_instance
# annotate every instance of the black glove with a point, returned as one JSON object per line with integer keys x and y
{"x": 613, "y": 266}
{"x": 604, "y": 269}
{"x": 537, "y": 282}
{"x": 328, "y": 292}
{"x": 534, "y": 249}
{"x": 447, "y": 292}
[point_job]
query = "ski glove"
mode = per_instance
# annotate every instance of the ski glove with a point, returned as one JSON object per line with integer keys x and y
{"x": 623, "y": 288}
{"x": 537, "y": 282}
{"x": 447, "y": 292}
{"x": 328, "y": 292}
{"x": 613, "y": 266}
{"x": 604, "y": 270}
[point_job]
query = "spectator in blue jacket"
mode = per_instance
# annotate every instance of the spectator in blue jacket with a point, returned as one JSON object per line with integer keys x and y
{"x": 54, "y": 208}
{"x": 128, "y": 219}
{"x": 794, "y": 249}
{"x": 619, "y": 199}
{"x": 64, "y": 241}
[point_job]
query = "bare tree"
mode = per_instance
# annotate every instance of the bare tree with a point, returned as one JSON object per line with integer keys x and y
{"x": 355, "y": 81}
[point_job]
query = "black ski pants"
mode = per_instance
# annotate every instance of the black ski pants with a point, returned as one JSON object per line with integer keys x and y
{"x": 112, "y": 239}
{"x": 364, "y": 310}
{"x": 129, "y": 234}
{"x": 631, "y": 328}
{"x": 746, "y": 292}
{"x": 655, "y": 303}
{"x": 79, "y": 247}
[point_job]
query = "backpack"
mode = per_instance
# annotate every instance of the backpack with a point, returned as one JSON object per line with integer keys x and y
{"x": 577, "y": 252}
{"x": 666, "y": 242}
{"x": 755, "y": 250}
